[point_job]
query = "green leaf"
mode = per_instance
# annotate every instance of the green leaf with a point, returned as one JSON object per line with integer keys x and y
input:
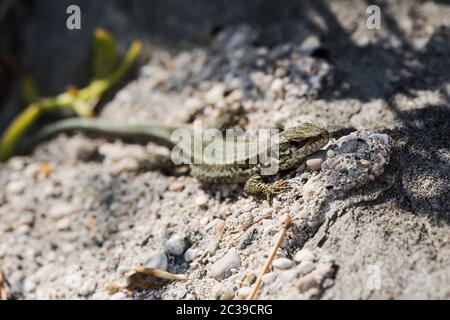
{"x": 105, "y": 54}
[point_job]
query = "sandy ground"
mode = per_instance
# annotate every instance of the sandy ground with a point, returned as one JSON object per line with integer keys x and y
{"x": 77, "y": 214}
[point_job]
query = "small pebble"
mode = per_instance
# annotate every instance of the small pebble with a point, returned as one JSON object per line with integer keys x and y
{"x": 215, "y": 94}
{"x": 157, "y": 260}
{"x": 282, "y": 263}
{"x": 212, "y": 224}
{"x": 176, "y": 245}
{"x": 179, "y": 294}
{"x": 16, "y": 187}
{"x": 190, "y": 254}
{"x": 247, "y": 238}
{"x": 60, "y": 209}
{"x": 213, "y": 246}
{"x": 221, "y": 269}
{"x": 383, "y": 138}
{"x": 244, "y": 292}
{"x": 201, "y": 200}
{"x": 304, "y": 255}
{"x": 305, "y": 267}
{"x": 331, "y": 154}
{"x": 268, "y": 211}
{"x": 268, "y": 277}
{"x": 227, "y": 295}
{"x": 277, "y": 86}
{"x": 314, "y": 164}
{"x": 176, "y": 186}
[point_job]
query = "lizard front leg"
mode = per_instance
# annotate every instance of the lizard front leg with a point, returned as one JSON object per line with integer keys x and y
{"x": 255, "y": 186}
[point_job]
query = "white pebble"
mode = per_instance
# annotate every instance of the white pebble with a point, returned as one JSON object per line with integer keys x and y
{"x": 190, "y": 254}
{"x": 305, "y": 267}
{"x": 282, "y": 263}
{"x": 244, "y": 292}
{"x": 176, "y": 245}
{"x": 268, "y": 277}
{"x": 277, "y": 86}
{"x": 215, "y": 94}
{"x": 60, "y": 209}
{"x": 201, "y": 200}
{"x": 314, "y": 164}
{"x": 304, "y": 255}
{"x": 157, "y": 260}
{"x": 212, "y": 224}
{"x": 16, "y": 187}
{"x": 221, "y": 269}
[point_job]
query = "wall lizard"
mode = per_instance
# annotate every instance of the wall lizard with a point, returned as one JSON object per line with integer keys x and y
{"x": 294, "y": 145}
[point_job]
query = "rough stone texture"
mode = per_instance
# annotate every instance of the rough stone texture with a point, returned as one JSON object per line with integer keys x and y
{"x": 389, "y": 238}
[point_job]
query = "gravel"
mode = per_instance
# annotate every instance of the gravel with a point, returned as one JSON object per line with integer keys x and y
{"x": 222, "y": 268}
{"x": 78, "y": 213}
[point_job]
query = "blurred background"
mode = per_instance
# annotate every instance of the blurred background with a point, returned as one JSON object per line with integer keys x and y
{"x": 34, "y": 38}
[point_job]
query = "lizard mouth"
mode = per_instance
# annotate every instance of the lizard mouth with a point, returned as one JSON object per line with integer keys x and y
{"x": 312, "y": 143}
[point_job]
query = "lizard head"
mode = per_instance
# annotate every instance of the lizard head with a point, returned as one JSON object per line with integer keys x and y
{"x": 298, "y": 142}
{"x": 303, "y": 134}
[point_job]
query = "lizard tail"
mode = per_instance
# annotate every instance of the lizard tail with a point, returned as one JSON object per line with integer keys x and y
{"x": 146, "y": 131}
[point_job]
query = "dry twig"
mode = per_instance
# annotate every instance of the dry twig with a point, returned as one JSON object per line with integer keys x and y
{"x": 287, "y": 222}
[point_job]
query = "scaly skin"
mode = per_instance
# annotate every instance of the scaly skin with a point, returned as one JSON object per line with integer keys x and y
{"x": 294, "y": 145}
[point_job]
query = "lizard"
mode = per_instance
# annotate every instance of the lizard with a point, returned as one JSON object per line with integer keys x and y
{"x": 294, "y": 145}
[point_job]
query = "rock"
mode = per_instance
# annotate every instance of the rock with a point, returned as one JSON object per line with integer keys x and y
{"x": 331, "y": 153}
{"x": 29, "y": 285}
{"x": 157, "y": 260}
{"x": 16, "y": 186}
{"x": 179, "y": 294}
{"x": 213, "y": 246}
{"x": 268, "y": 277}
{"x": 304, "y": 255}
{"x": 190, "y": 254}
{"x": 245, "y": 219}
{"x": 227, "y": 295}
{"x": 247, "y": 238}
{"x": 61, "y": 209}
{"x": 350, "y": 146}
{"x": 277, "y": 86}
{"x": 176, "y": 245}
{"x": 64, "y": 223}
{"x": 268, "y": 211}
{"x": 201, "y": 200}
{"x": 176, "y": 186}
{"x": 221, "y": 269}
{"x": 212, "y": 224}
{"x": 314, "y": 164}
{"x": 215, "y": 94}
{"x": 305, "y": 267}
{"x": 269, "y": 230}
{"x": 383, "y": 138}
{"x": 282, "y": 263}
{"x": 244, "y": 292}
